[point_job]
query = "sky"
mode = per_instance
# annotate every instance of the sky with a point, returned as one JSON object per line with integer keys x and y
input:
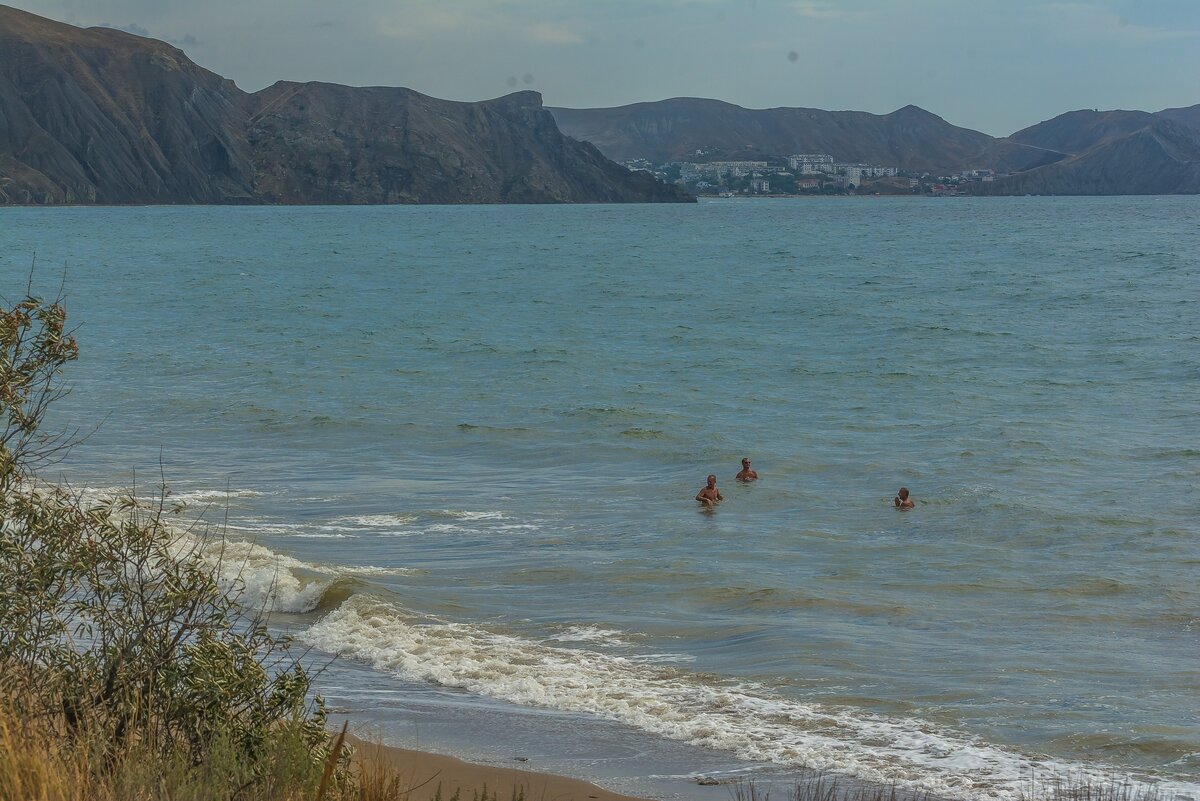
{"x": 996, "y": 66}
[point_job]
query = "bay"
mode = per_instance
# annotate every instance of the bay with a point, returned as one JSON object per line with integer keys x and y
{"x": 475, "y": 433}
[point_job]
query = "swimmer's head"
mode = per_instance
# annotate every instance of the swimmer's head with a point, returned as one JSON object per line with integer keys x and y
{"x": 745, "y": 462}
{"x": 712, "y": 480}
{"x": 903, "y": 493}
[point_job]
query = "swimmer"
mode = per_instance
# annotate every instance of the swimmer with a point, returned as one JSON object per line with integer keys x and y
{"x": 710, "y": 495}
{"x": 747, "y": 474}
{"x": 902, "y": 500}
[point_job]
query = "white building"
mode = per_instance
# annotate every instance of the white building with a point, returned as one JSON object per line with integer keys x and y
{"x": 859, "y": 171}
{"x": 719, "y": 169}
{"x": 811, "y": 162}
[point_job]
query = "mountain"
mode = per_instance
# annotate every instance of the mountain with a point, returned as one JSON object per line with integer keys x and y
{"x": 1189, "y": 116}
{"x": 1159, "y": 159}
{"x": 1078, "y": 131}
{"x": 387, "y": 145}
{"x": 102, "y": 116}
{"x": 909, "y": 138}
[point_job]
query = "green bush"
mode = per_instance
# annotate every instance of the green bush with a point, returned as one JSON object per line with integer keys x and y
{"x": 112, "y": 621}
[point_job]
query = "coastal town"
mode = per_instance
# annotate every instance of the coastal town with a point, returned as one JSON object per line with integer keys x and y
{"x": 804, "y": 174}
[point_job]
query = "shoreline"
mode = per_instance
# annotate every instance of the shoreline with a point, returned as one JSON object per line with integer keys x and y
{"x": 431, "y": 775}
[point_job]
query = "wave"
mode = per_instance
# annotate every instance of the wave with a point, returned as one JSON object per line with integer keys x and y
{"x": 376, "y": 521}
{"x": 259, "y": 578}
{"x": 695, "y": 708}
{"x": 596, "y": 634}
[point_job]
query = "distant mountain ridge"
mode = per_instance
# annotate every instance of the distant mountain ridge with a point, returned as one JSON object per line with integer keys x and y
{"x": 1080, "y": 152}
{"x": 102, "y": 116}
{"x": 909, "y": 138}
{"x": 1113, "y": 157}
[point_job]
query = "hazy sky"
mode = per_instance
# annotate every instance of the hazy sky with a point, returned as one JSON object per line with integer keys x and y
{"x": 993, "y": 65}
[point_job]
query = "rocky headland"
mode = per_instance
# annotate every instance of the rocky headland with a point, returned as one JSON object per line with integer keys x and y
{"x": 102, "y": 116}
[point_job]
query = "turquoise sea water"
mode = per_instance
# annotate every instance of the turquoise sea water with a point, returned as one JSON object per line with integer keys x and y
{"x": 467, "y": 440}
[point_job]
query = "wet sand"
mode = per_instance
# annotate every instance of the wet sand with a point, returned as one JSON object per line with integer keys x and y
{"x": 430, "y": 774}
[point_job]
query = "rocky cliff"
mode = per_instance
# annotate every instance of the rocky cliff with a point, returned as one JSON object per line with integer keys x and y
{"x": 102, "y": 116}
{"x": 386, "y": 145}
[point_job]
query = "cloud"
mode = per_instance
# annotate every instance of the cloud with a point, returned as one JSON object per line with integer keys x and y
{"x": 552, "y": 33}
{"x": 826, "y": 10}
{"x": 134, "y": 28}
{"x": 420, "y": 23}
{"x": 1082, "y": 23}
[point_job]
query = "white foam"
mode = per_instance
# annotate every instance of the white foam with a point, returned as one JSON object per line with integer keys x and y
{"x": 325, "y": 535}
{"x": 449, "y": 528}
{"x": 596, "y": 634}
{"x": 376, "y": 521}
{"x": 474, "y": 516}
{"x": 372, "y": 570}
{"x": 662, "y": 659}
{"x": 151, "y": 493}
{"x": 261, "y": 578}
{"x": 684, "y": 706}
{"x": 212, "y": 496}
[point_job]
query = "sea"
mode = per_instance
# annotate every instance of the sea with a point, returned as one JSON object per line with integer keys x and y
{"x": 456, "y": 450}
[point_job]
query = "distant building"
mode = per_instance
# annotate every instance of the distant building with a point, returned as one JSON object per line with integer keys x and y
{"x": 860, "y": 171}
{"x": 811, "y": 162}
{"x": 760, "y": 185}
{"x": 808, "y": 183}
{"x": 719, "y": 169}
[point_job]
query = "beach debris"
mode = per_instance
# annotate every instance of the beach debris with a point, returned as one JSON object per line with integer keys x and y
{"x": 707, "y": 781}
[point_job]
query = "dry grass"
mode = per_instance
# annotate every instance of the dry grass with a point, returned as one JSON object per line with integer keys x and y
{"x": 38, "y": 763}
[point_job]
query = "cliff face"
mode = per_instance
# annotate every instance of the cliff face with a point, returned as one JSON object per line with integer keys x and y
{"x": 107, "y": 117}
{"x": 909, "y": 138}
{"x": 102, "y": 116}
{"x": 385, "y": 145}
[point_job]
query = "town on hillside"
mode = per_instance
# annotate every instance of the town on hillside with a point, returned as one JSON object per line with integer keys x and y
{"x": 804, "y": 174}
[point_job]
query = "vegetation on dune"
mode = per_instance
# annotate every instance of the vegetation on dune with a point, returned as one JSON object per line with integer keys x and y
{"x": 127, "y": 669}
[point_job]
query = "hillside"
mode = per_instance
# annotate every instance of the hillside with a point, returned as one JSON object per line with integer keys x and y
{"x": 1161, "y": 158}
{"x": 102, "y": 116}
{"x": 1078, "y": 131}
{"x": 1189, "y": 116}
{"x": 99, "y": 115}
{"x": 909, "y": 138}
{"x": 387, "y": 145}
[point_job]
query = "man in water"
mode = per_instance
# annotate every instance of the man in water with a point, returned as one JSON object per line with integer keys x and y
{"x": 710, "y": 495}
{"x": 902, "y": 500}
{"x": 747, "y": 474}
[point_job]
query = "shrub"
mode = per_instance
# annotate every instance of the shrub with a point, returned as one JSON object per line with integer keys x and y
{"x": 114, "y": 631}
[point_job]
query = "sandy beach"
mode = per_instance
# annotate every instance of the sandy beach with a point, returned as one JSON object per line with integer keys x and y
{"x": 434, "y": 775}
